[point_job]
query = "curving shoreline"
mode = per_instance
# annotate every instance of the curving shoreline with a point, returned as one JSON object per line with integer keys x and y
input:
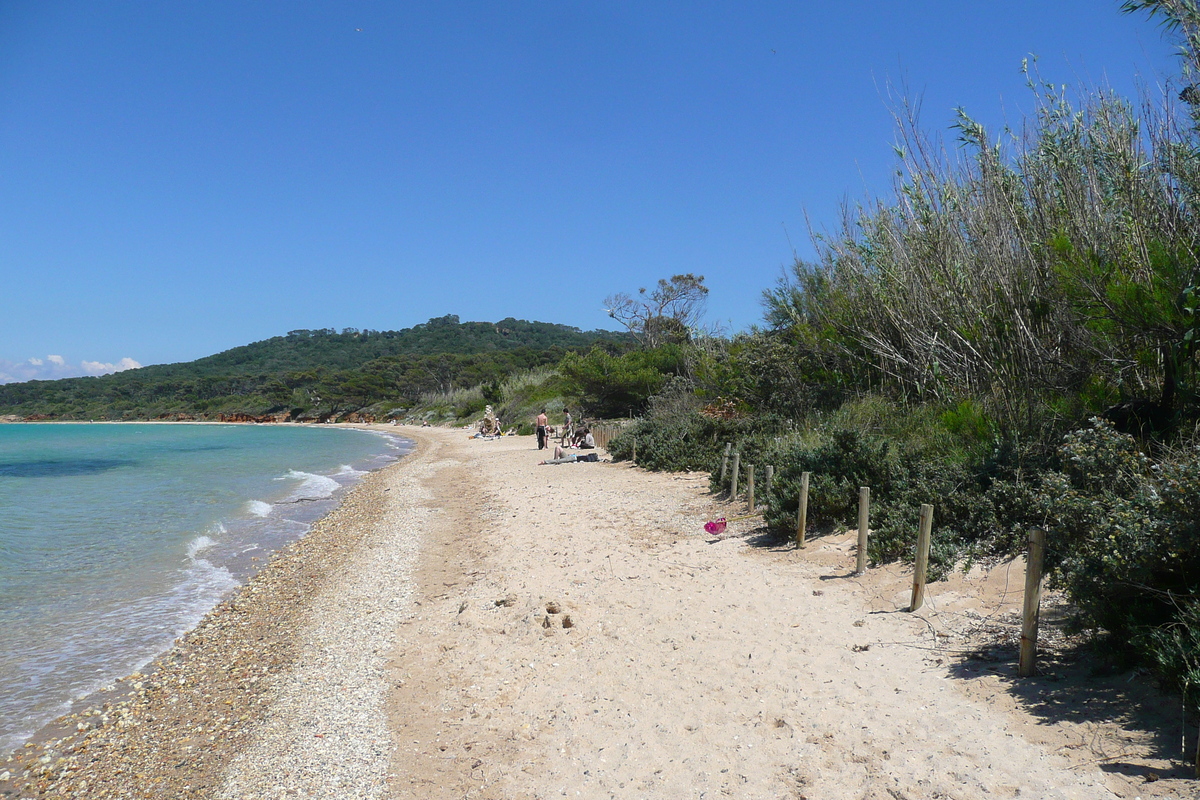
{"x": 117, "y": 541}
{"x": 467, "y": 623}
{"x": 170, "y": 729}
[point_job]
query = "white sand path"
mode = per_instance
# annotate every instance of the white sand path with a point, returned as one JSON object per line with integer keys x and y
{"x": 691, "y": 669}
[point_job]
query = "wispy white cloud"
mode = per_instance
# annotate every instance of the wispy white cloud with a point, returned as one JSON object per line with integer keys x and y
{"x": 100, "y": 368}
{"x": 55, "y": 366}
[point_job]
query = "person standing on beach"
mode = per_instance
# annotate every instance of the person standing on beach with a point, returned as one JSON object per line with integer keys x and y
{"x": 567, "y": 429}
{"x": 541, "y": 430}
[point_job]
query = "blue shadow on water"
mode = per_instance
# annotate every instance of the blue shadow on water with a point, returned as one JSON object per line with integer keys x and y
{"x": 49, "y": 468}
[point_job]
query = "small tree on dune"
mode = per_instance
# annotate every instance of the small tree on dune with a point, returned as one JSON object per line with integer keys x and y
{"x": 664, "y": 314}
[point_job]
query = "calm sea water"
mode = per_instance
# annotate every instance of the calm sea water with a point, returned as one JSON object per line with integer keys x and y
{"x": 115, "y": 539}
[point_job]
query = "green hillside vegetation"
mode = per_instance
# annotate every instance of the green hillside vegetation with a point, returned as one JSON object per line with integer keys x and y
{"x": 313, "y": 374}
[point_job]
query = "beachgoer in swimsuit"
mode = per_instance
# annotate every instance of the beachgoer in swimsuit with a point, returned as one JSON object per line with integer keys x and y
{"x": 560, "y": 457}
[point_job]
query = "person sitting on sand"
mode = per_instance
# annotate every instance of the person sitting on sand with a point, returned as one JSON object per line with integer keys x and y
{"x": 587, "y": 441}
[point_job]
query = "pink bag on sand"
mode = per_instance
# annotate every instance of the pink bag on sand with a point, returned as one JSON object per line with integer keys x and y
{"x": 716, "y": 526}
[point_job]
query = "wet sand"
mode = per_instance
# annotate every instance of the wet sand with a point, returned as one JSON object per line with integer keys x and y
{"x": 469, "y": 624}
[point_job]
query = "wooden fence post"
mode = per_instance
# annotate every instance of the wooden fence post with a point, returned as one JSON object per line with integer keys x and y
{"x": 1033, "y": 598}
{"x": 768, "y": 479}
{"x": 724, "y": 464}
{"x": 864, "y": 516}
{"x": 750, "y": 487}
{"x": 633, "y": 458}
{"x": 802, "y": 511}
{"x": 921, "y": 562}
{"x": 733, "y": 481}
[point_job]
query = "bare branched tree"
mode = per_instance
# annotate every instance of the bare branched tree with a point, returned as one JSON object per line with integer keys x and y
{"x": 667, "y": 313}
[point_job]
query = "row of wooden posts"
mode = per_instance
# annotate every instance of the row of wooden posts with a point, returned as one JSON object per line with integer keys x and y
{"x": 1034, "y": 556}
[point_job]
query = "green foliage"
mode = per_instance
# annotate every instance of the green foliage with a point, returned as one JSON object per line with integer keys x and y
{"x": 1124, "y": 545}
{"x": 968, "y": 421}
{"x": 526, "y": 393}
{"x": 616, "y": 385}
{"x": 840, "y": 464}
{"x": 778, "y": 372}
{"x": 1174, "y": 648}
{"x": 319, "y": 372}
{"x": 674, "y": 445}
{"x": 907, "y": 456}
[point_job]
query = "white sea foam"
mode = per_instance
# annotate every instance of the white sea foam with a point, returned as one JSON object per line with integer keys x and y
{"x": 312, "y": 487}
{"x": 258, "y": 508}
{"x": 199, "y": 545}
{"x": 345, "y": 470}
{"x": 202, "y": 587}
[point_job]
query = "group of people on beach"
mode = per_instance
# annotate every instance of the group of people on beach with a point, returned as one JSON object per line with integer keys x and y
{"x": 569, "y": 437}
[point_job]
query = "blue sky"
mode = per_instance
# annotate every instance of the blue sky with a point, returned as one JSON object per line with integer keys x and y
{"x": 178, "y": 179}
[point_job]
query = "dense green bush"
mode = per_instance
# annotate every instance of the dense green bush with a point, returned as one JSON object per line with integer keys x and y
{"x": 1123, "y": 542}
{"x": 908, "y": 456}
{"x": 684, "y": 443}
{"x": 616, "y": 385}
{"x": 900, "y": 481}
{"x": 676, "y": 434}
{"x": 525, "y": 394}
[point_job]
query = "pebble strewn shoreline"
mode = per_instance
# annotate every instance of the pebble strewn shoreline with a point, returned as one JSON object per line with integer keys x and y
{"x": 280, "y": 667}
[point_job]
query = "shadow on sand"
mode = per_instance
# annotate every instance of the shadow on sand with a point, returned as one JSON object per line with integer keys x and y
{"x": 1075, "y": 684}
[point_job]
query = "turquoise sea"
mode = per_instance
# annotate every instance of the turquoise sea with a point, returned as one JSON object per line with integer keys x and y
{"x": 116, "y": 539}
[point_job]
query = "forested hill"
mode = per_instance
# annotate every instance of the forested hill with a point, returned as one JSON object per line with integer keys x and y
{"x": 310, "y": 373}
{"x": 352, "y": 348}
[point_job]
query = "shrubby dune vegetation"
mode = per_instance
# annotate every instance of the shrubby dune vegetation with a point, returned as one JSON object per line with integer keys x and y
{"x": 1010, "y": 335}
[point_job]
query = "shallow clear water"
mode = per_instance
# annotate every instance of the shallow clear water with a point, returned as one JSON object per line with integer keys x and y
{"x": 115, "y": 539}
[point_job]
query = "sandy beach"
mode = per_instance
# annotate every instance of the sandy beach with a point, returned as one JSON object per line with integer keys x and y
{"x": 470, "y": 624}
